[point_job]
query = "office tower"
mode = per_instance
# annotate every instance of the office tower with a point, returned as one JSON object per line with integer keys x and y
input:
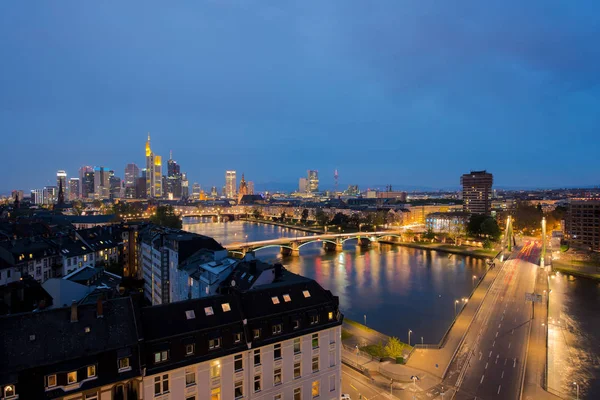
{"x": 101, "y": 183}
{"x": 154, "y": 187}
{"x": 477, "y": 192}
{"x": 37, "y": 196}
{"x": 185, "y": 189}
{"x": 73, "y": 188}
{"x": 50, "y": 195}
{"x": 313, "y": 181}
{"x": 250, "y": 187}
{"x": 582, "y": 224}
{"x": 61, "y": 177}
{"x": 140, "y": 188}
{"x": 84, "y": 191}
{"x": 173, "y": 183}
{"x": 196, "y": 188}
{"x": 302, "y": 185}
{"x": 132, "y": 173}
{"x": 87, "y": 186}
{"x": 115, "y": 185}
{"x": 230, "y": 184}
{"x": 213, "y": 192}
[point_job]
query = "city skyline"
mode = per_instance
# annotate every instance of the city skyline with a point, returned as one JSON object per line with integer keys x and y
{"x": 303, "y": 87}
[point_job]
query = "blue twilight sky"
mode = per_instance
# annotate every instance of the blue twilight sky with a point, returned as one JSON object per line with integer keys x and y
{"x": 412, "y": 93}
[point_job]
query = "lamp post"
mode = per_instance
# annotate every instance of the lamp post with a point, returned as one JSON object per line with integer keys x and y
{"x": 474, "y": 277}
{"x": 421, "y": 340}
{"x": 391, "y": 387}
{"x": 455, "y": 303}
{"x": 414, "y": 379}
{"x": 357, "y": 356}
{"x": 365, "y": 316}
{"x": 409, "y": 332}
{"x": 577, "y": 386}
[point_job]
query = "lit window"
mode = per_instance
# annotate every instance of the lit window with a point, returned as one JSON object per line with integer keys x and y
{"x": 215, "y": 394}
{"x": 189, "y": 349}
{"x": 315, "y": 340}
{"x": 315, "y": 389}
{"x": 161, "y": 356}
{"x": 50, "y": 381}
{"x": 306, "y": 293}
{"x": 225, "y": 307}
{"x": 238, "y": 389}
{"x": 238, "y": 362}
{"x": 190, "y": 314}
{"x": 297, "y": 347}
{"x": 72, "y": 377}
{"x": 287, "y": 298}
{"x": 315, "y": 364}
{"x": 208, "y": 311}
{"x": 256, "y": 357}
{"x": 237, "y": 337}
{"x": 124, "y": 364}
{"x": 256, "y": 333}
{"x": 297, "y": 370}
{"x": 257, "y": 383}
{"x": 9, "y": 391}
{"x": 275, "y": 300}
{"x": 84, "y": 257}
{"x": 91, "y": 371}
{"x": 215, "y": 369}
{"x": 277, "y": 351}
{"x": 277, "y": 376}
{"x": 214, "y": 343}
{"x": 276, "y": 329}
{"x": 330, "y": 315}
{"x": 190, "y": 377}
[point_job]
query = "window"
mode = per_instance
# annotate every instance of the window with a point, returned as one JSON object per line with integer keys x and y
{"x": 215, "y": 394}
{"x": 190, "y": 398}
{"x": 190, "y": 314}
{"x": 91, "y": 396}
{"x": 123, "y": 364}
{"x": 296, "y": 323}
{"x": 297, "y": 347}
{"x": 9, "y": 391}
{"x": 215, "y": 369}
{"x": 208, "y": 311}
{"x": 306, "y": 294}
{"x": 277, "y": 397}
{"x": 161, "y": 356}
{"x": 91, "y": 371}
{"x": 256, "y": 357}
{"x": 332, "y": 358}
{"x": 330, "y": 315}
{"x": 190, "y": 377}
{"x": 315, "y": 364}
{"x": 297, "y": 370}
{"x": 225, "y": 307}
{"x": 314, "y": 319}
{"x": 257, "y": 380}
{"x": 189, "y": 349}
{"x": 161, "y": 384}
{"x": 298, "y": 394}
{"x": 214, "y": 343}
{"x": 256, "y": 333}
{"x": 315, "y": 389}
{"x": 277, "y": 351}
{"x": 276, "y": 329}
{"x": 277, "y": 376}
{"x": 238, "y": 389}
{"x": 287, "y": 298}
{"x": 237, "y": 337}
{"x": 72, "y": 377}
{"x": 332, "y": 383}
{"x": 238, "y": 362}
{"x": 50, "y": 381}
{"x": 275, "y": 300}
{"x": 315, "y": 340}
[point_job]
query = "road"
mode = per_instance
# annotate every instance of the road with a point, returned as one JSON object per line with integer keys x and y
{"x": 355, "y": 384}
{"x": 490, "y": 362}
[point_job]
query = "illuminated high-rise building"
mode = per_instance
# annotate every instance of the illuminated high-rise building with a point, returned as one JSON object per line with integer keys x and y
{"x": 213, "y": 192}
{"x": 84, "y": 190}
{"x": 477, "y": 192}
{"x": 196, "y": 188}
{"x": 61, "y": 178}
{"x": 153, "y": 173}
{"x": 250, "y": 187}
{"x": 230, "y": 184}
{"x": 132, "y": 173}
{"x": 73, "y": 188}
{"x": 313, "y": 181}
{"x": 101, "y": 183}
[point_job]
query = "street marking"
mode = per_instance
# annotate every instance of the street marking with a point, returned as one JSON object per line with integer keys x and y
{"x": 499, "y": 386}
{"x": 480, "y": 354}
{"x": 509, "y": 343}
{"x": 486, "y": 365}
{"x": 496, "y": 334}
{"x": 490, "y": 354}
{"x": 514, "y": 362}
{"x": 499, "y": 325}
{"x": 481, "y": 381}
{"x": 352, "y": 386}
{"x": 493, "y": 344}
{"x": 505, "y": 360}
{"x": 502, "y": 375}
{"x": 513, "y": 332}
{"x": 497, "y": 359}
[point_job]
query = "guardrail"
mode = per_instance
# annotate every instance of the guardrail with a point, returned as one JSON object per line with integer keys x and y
{"x": 361, "y": 353}
{"x": 354, "y": 364}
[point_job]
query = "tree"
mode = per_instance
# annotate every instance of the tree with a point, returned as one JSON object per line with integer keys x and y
{"x": 304, "y": 216}
{"x": 77, "y": 206}
{"x": 339, "y": 219}
{"x": 430, "y": 234}
{"x": 97, "y": 203}
{"x": 256, "y": 213}
{"x": 165, "y": 216}
{"x": 394, "y": 347}
{"x": 527, "y": 218}
{"x": 474, "y": 225}
{"x": 282, "y": 217}
{"x": 321, "y": 218}
{"x": 490, "y": 229}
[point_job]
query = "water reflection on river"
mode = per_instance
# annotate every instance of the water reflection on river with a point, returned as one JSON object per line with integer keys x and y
{"x": 397, "y": 288}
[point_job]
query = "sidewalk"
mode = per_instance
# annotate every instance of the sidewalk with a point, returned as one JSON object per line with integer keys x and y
{"x": 436, "y": 360}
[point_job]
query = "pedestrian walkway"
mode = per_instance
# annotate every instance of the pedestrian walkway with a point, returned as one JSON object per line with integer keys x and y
{"x": 435, "y": 360}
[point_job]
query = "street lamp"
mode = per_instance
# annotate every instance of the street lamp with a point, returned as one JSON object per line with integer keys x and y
{"x": 409, "y": 332}
{"x": 365, "y": 316}
{"x": 474, "y": 277}
{"x": 421, "y": 340}
{"x": 455, "y": 303}
{"x": 357, "y": 356}
{"x": 577, "y": 385}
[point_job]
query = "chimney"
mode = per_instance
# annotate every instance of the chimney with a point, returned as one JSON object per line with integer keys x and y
{"x": 74, "y": 311}
{"x": 99, "y": 308}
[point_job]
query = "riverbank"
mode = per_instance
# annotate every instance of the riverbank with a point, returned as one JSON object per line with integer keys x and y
{"x": 446, "y": 248}
{"x": 577, "y": 268}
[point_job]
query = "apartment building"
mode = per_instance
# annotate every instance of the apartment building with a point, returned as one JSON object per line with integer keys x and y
{"x": 582, "y": 224}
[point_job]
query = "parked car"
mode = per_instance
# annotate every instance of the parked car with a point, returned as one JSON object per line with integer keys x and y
{"x": 346, "y": 397}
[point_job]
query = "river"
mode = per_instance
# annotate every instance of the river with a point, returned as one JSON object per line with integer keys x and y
{"x": 395, "y": 288}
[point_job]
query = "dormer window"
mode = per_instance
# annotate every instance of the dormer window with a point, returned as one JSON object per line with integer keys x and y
{"x": 330, "y": 315}
{"x": 214, "y": 343}
{"x": 208, "y": 311}
{"x": 91, "y": 371}
{"x": 275, "y": 300}
{"x": 314, "y": 319}
{"x": 189, "y": 349}
{"x": 124, "y": 364}
{"x": 276, "y": 329}
{"x": 72, "y": 377}
{"x": 256, "y": 333}
{"x": 50, "y": 381}
{"x": 161, "y": 356}
{"x": 190, "y": 314}
{"x": 226, "y": 307}
{"x": 287, "y": 298}
{"x": 237, "y": 337}
{"x": 9, "y": 391}
{"x": 306, "y": 294}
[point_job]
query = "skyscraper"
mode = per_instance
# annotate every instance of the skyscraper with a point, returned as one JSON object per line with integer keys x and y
{"x": 230, "y": 184}
{"x": 101, "y": 183}
{"x": 313, "y": 181}
{"x": 73, "y": 188}
{"x": 153, "y": 173}
{"x": 477, "y": 192}
{"x": 61, "y": 177}
{"x": 115, "y": 185}
{"x": 196, "y": 191}
{"x": 302, "y": 185}
{"x": 83, "y": 191}
{"x": 250, "y": 187}
{"x": 132, "y": 173}
{"x": 173, "y": 189}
